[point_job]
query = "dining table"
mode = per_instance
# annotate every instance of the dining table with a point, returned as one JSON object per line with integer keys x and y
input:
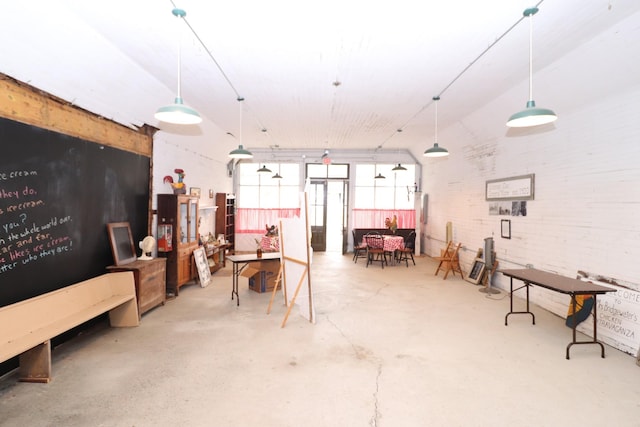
{"x": 391, "y": 243}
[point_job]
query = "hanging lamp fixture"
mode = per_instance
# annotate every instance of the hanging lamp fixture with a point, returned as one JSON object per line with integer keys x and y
{"x": 531, "y": 115}
{"x": 277, "y": 176}
{"x": 178, "y": 113}
{"x": 264, "y": 169}
{"x": 436, "y": 150}
{"x": 240, "y": 152}
{"x": 380, "y": 176}
{"x": 399, "y": 168}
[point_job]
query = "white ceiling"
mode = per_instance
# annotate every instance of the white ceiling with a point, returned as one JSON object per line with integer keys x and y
{"x": 119, "y": 59}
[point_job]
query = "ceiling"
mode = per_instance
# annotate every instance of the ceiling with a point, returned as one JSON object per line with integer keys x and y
{"x": 314, "y": 74}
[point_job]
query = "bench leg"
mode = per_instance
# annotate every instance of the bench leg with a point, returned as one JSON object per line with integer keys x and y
{"x": 125, "y": 314}
{"x": 35, "y": 364}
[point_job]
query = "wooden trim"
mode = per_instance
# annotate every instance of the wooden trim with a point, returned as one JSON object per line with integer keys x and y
{"x": 26, "y": 104}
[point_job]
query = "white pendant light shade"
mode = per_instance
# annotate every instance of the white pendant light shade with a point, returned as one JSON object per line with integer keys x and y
{"x": 178, "y": 113}
{"x": 240, "y": 153}
{"x": 436, "y": 150}
{"x": 531, "y": 115}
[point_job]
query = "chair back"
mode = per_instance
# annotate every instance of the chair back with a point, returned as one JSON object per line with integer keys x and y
{"x": 374, "y": 240}
{"x": 410, "y": 240}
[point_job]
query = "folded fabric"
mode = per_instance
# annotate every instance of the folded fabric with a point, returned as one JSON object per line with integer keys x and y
{"x": 584, "y": 305}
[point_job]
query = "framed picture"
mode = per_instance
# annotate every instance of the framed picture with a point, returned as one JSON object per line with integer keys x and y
{"x": 505, "y": 228}
{"x": 194, "y": 191}
{"x": 513, "y": 188}
{"x": 211, "y": 193}
{"x": 202, "y": 264}
{"x": 477, "y": 271}
{"x": 121, "y": 243}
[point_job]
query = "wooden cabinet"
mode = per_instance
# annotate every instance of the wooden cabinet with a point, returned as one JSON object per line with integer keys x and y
{"x": 181, "y": 212}
{"x": 225, "y": 218}
{"x": 150, "y": 278}
{"x": 216, "y": 256}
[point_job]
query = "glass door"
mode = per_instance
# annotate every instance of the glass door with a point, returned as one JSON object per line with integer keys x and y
{"x": 318, "y": 215}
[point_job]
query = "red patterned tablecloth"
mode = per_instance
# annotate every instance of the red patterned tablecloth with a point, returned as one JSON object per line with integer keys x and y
{"x": 391, "y": 243}
{"x": 270, "y": 244}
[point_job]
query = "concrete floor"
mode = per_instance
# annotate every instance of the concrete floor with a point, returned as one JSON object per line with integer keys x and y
{"x": 393, "y": 347}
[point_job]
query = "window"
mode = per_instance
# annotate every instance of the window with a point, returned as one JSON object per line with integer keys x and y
{"x": 377, "y": 199}
{"x": 262, "y": 200}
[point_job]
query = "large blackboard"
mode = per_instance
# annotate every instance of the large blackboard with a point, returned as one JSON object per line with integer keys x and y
{"x": 57, "y": 193}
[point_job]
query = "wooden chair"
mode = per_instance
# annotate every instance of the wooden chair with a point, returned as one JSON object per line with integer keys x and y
{"x": 359, "y": 248}
{"x": 407, "y": 252}
{"x": 375, "y": 248}
{"x": 449, "y": 261}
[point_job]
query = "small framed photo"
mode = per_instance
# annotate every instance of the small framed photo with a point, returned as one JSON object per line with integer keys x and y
{"x": 505, "y": 228}
{"x": 194, "y": 191}
{"x": 211, "y": 193}
{"x": 477, "y": 271}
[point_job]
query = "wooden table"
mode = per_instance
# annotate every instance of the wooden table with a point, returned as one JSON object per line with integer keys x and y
{"x": 240, "y": 262}
{"x": 564, "y": 285}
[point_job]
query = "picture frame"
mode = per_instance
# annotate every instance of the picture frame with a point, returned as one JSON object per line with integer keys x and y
{"x": 194, "y": 191}
{"x": 505, "y": 228}
{"x": 477, "y": 271}
{"x": 211, "y": 193}
{"x": 512, "y": 188}
{"x": 202, "y": 265}
{"x": 121, "y": 242}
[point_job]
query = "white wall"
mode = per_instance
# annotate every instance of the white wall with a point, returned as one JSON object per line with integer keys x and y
{"x": 586, "y": 211}
{"x": 204, "y": 160}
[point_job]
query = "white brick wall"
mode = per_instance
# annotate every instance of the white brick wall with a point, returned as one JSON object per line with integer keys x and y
{"x": 586, "y": 212}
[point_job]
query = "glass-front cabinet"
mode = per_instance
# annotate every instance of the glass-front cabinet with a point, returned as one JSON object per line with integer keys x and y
{"x": 181, "y": 211}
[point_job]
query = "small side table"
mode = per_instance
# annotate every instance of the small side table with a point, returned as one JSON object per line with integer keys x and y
{"x": 150, "y": 277}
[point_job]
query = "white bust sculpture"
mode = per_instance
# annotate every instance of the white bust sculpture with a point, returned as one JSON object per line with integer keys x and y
{"x": 147, "y": 245}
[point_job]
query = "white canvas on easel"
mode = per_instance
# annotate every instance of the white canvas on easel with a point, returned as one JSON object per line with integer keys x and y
{"x": 295, "y": 250}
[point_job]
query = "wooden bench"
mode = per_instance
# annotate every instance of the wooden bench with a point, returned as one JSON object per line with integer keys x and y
{"x": 27, "y": 327}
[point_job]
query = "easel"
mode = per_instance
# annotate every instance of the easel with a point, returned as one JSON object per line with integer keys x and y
{"x": 295, "y": 261}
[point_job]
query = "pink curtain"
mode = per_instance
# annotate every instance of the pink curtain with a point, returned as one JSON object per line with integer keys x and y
{"x": 374, "y": 218}
{"x": 256, "y": 220}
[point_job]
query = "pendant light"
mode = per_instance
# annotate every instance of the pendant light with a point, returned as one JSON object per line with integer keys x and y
{"x": 264, "y": 169}
{"x": 436, "y": 151}
{"x": 380, "y": 176}
{"x": 178, "y": 113}
{"x": 531, "y": 115}
{"x": 399, "y": 168}
{"x": 240, "y": 152}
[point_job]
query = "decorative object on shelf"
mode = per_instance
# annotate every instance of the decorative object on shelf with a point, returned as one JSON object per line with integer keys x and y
{"x": 147, "y": 245}
{"x": 178, "y": 187}
{"x": 194, "y": 191}
{"x": 165, "y": 237}
{"x": 531, "y": 115}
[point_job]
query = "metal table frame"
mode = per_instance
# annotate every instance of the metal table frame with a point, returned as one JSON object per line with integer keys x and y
{"x": 240, "y": 262}
{"x": 562, "y": 284}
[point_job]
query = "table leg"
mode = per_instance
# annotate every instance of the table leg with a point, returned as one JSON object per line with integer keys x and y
{"x": 574, "y": 323}
{"x": 234, "y": 289}
{"x": 526, "y": 285}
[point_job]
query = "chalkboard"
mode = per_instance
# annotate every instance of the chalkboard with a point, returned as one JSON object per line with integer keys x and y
{"x": 476, "y": 272}
{"x": 57, "y": 193}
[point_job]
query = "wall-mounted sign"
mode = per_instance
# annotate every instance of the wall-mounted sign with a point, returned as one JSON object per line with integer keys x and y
{"x": 514, "y": 188}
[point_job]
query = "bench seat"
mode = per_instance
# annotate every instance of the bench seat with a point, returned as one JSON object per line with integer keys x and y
{"x": 26, "y": 327}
